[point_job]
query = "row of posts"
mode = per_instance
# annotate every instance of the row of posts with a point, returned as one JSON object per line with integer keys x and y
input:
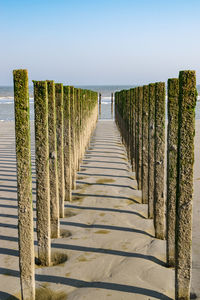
{"x": 141, "y": 117}
{"x": 65, "y": 118}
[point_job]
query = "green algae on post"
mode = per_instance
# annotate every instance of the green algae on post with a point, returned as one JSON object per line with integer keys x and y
{"x": 24, "y": 184}
{"x": 53, "y": 172}
{"x": 139, "y": 170}
{"x": 72, "y": 118}
{"x": 172, "y": 146}
{"x": 60, "y": 154}
{"x": 145, "y": 115}
{"x": 133, "y": 129}
{"x": 67, "y": 143}
{"x": 186, "y": 131}
{"x": 42, "y": 172}
{"x": 151, "y": 146}
{"x": 159, "y": 156}
{"x": 136, "y": 133}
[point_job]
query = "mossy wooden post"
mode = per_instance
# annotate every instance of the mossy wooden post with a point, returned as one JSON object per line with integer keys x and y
{"x": 67, "y": 143}
{"x": 42, "y": 172}
{"x": 53, "y": 172}
{"x": 131, "y": 127}
{"x": 72, "y": 117}
{"x": 60, "y": 154}
{"x": 159, "y": 199}
{"x": 24, "y": 185}
{"x": 145, "y": 117}
{"x": 127, "y": 121}
{"x": 172, "y": 146}
{"x": 136, "y": 133}
{"x": 186, "y": 131}
{"x": 79, "y": 128}
{"x": 76, "y": 129}
{"x": 151, "y": 141}
{"x": 139, "y": 170}
{"x": 100, "y": 104}
{"x": 81, "y": 125}
{"x": 133, "y": 130}
{"x": 112, "y": 105}
{"x": 75, "y": 136}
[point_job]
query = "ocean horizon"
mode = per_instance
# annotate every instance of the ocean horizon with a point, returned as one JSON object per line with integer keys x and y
{"x": 7, "y": 100}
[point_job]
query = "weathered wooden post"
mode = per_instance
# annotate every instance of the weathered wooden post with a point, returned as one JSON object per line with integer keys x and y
{"x": 136, "y": 133}
{"x": 112, "y": 105}
{"x": 186, "y": 131}
{"x": 172, "y": 147}
{"x": 127, "y": 113}
{"x": 60, "y": 154}
{"x": 42, "y": 172}
{"x": 24, "y": 184}
{"x": 67, "y": 143}
{"x": 81, "y": 124}
{"x": 53, "y": 172}
{"x": 159, "y": 199}
{"x": 133, "y": 129}
{"x": 100, "y": 104}
{"x": 145, "y": 119}
{"x": 139, "y": 169}
{"x": 78, "y": 147}
{"x": 151, "y": 156}
{"x": 72, "y": 117}
{"x": 76, "y": 134}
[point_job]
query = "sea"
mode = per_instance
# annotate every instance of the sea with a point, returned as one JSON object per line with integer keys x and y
{"x": 106, "y": 112}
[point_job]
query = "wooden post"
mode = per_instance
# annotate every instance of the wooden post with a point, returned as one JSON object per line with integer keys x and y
{"x": 136, "y": 134}
{"x": 72, "y": 135}
{"x": 186, "y": 131}
{"x": 67, "y": 144}
{"x": 133, "y": 128}
{"x": 151, "y": 141}
{"x": 100, "y": 104}
{"x": 42, "y": 172}
{"x": 145, "y": 117}
{"x": 139, "y": 170}
{"x": 75, "y": 136}
{"x": 159, "y": 199}
{"x": 112, "y": 105}
{"x": 24, "y": 184}
{"x": 79, "y": 95}
{"x": 172, "y": 146}
{"x": 60, "y": 155}
{"x": 53, "y": 171}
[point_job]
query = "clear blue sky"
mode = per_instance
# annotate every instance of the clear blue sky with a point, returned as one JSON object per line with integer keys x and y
{"x": 99, "y": 41}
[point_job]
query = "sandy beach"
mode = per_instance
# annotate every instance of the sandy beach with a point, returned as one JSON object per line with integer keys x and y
{"x": 111, "y": 249}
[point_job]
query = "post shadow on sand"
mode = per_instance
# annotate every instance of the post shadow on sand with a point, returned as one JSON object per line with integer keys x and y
{"x": 106, "y": 175}
{"x": 103, "y": 168}
{"x": 109, "y": 227}
{"x": 107, "y": 184}
{"x": 7, "y": 296}
{"x": 103, "y": 156}
{"x": 106, "y": 162}
{"x": 105, "y": 196}
{"x": 86, "y": 284}
{"x": 8, "y": 199}
{"x": 96, "y": 151}
{"x": 107, "y": 148}
{"x": 106, "y": 209}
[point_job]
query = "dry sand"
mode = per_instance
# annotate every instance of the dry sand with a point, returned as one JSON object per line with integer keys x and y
{"x": 112, "y": 253}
